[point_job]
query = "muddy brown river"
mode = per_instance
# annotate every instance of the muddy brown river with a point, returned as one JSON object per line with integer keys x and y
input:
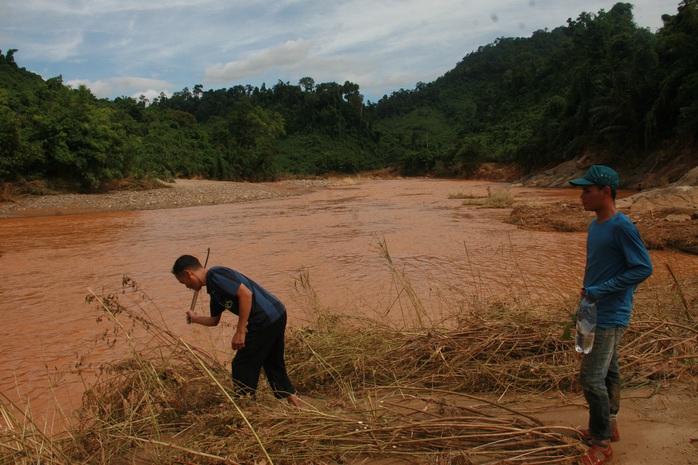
{"x": 450, "y": 253}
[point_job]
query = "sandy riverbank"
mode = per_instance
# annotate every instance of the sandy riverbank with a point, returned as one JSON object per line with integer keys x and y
{"x": 178, "y": 194}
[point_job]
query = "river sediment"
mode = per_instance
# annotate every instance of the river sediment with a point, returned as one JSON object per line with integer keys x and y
{"x": 178, "y": 194}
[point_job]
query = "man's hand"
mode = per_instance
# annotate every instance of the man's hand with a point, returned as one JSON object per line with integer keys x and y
{"x": 238, "y": 340}
{"x": 190, "y": 315}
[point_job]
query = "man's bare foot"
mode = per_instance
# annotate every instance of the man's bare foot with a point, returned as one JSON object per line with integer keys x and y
{"x": 293, "y": 400}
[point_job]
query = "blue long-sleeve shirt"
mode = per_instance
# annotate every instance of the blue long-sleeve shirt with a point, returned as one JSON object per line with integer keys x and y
{"x": 617, "y": 261}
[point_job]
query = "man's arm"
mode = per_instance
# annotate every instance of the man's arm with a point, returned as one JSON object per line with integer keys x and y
{"x": 203, "y": 320}
{"x": 244, "y": 296}
{"x": 639, "y": 266}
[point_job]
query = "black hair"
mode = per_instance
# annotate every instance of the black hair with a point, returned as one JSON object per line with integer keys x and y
{"x": 613, "y": 191}
{"x": 185, "y": 262}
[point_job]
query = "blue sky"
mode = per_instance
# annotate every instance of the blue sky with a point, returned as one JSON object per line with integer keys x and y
{"x": 144, "y": 47}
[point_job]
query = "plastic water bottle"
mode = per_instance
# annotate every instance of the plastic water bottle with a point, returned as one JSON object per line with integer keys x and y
{"x": 586, "y": 326}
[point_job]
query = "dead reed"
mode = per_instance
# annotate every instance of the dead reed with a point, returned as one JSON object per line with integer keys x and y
{"x": 498, "y": 357}
{"x": 497, "y": 198}
{"x": 372, "y": 392}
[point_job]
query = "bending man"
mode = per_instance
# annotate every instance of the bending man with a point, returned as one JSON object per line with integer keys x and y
{"x": 259, "y": 337}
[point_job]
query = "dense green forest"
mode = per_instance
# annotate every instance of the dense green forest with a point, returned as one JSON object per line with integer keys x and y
{"x": 599, "y": 83}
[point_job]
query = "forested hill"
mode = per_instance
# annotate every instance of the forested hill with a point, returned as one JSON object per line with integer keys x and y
{"x": 599, "y": 86}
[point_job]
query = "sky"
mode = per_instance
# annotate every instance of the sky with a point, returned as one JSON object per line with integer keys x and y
{"x": 144, "y": 47}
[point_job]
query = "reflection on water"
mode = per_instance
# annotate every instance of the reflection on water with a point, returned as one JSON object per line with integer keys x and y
{"x": 443, "y": 246}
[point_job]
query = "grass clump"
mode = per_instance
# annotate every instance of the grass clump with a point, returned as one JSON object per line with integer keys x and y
{"x": 499, "y": 198}
{"x": 463, "y": 195}
{"x": 495, "y": 198}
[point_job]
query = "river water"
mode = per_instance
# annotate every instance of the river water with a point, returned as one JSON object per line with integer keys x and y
{"x": 450, "y": 252}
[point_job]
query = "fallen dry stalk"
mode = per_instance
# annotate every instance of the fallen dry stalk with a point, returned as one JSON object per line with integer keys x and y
{"x": 496, "y": 357}
{"x": 371, "y": 392}
{"x": 170, "y": 445}
{"x": 231, "y": 400}
{"x": 404, "y": 425}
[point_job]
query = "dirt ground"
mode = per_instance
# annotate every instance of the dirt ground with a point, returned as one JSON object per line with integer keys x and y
{"x": 655, "y": 427}
{"x": 666, "y": 226}
{"x": 658, "y": 425}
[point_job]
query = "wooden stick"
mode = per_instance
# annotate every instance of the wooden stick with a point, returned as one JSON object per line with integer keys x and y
{"x": 680, "y": 289}
{"x": 196, "y": 293}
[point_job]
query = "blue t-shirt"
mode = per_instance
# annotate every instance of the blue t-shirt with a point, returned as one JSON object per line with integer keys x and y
{"x": 617, "y": 261}
{"x": 222, "y": 285}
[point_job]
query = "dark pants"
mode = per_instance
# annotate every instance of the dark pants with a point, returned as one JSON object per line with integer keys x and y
{"x": 600, "y": 380}
{"x": 264, "y": 348}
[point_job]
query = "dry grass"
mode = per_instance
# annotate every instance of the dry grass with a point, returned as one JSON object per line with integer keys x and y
{"x": 513, "y": 355}
{"x": 495, "y": 198}
{"x": 464, "y": 195}
{"x": 499, "y": 198}
{"x": 7, "y": 192}
{"x": 372, "y": 392}
{"x": 11, "y": 192}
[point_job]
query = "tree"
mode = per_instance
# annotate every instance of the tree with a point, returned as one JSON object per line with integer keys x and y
{"x": 675, "y": 110}
{"x": 9, "y": 58}
{"x": 307, "y": 83}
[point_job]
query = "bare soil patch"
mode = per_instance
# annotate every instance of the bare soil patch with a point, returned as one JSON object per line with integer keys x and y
{"x": 664, "y": 228}
{"x": 657, "y": 426}
{"x": 559, "y": 216}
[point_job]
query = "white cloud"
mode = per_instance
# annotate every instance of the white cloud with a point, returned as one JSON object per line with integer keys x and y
{"x": 100, "y": 89}
{"x": 150, "y": 95}
{"x": 382, "y": 45}
{"x": 123, "y": 86}
{"x": 285, "y": 56}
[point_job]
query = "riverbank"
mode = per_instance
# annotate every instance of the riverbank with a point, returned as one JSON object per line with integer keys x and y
{"x": 178, "y": 194}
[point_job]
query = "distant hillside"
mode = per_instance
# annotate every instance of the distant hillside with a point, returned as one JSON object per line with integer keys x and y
{"x": 15, "y": 79}
{"x": 599, "y": 89}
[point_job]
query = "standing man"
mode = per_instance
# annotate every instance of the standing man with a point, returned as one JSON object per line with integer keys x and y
{"x": 617, "y": 261}
{"x": 259, "y": 337}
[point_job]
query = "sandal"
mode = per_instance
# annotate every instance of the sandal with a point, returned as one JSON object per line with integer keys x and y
{"x": 596, "y": 455}
{"x": 585, "y": 435}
